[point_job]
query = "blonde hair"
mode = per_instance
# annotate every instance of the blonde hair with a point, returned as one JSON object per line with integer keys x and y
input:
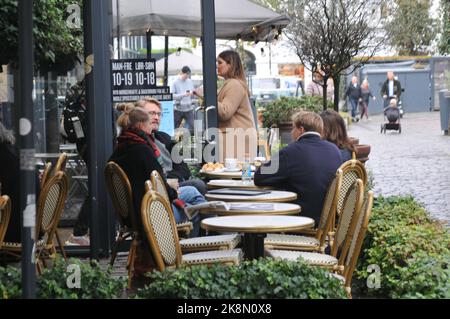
{"x": 311, "y": 122}
{"x": 131, "y": 117}
{"x": 123, "y": 106}
{"x": 145, "y": 100}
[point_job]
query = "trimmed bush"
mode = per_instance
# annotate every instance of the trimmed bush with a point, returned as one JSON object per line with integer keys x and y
{"x": 257, "y": 279}
{"x": 94, "y": 283}
{"x": 411, "y": 250}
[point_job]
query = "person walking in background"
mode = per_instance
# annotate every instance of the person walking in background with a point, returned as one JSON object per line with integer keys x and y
{"x": 315, "y": 87}
{"x": 353, "y": 93}
{"x": 183, "y": 90}
{"x": 391, "y": 89}
{"x": 366, "y": 94}
{"x": 234, "y": 110}
{"x": 334, "y": 131}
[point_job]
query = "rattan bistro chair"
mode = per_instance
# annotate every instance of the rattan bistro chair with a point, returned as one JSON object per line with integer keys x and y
{"x": 224, "y": 242}
{"x": 344, "y": 234}
{"x": 45, "y": 174}
{"x": 50, "y": 206}
{"x": 161, "y": 232}
{"x": 5, "y": 215}
{"x": 61, "y": 163}
{"x": 119, "y": 189}
{"x": 319, "y": 241}
{"x": 159, "y": 186}
{"x": 356, "y": 244}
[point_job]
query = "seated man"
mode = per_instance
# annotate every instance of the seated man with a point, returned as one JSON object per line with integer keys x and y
{"x": 165, "y": 144}
{"x": 306, "y": 166}
{"x": 392, "y": 112}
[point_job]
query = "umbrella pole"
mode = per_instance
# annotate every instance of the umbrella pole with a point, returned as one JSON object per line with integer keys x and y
{"x": 166, "y": 59}
{"x": 149, "y": 44}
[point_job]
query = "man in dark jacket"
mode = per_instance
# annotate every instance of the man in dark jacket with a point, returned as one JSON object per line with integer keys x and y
{"x": 165, "y": 144}
{"x": 354, "y": 95}
{"x": 391, "y": 89}
{"x": 306, "y": 166}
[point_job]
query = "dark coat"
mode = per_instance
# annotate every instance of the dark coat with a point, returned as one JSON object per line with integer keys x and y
{"x": 9, "y": 180}
{"x": 181, "y": 170}
{"x": 306, "y": 167}
{"x": 397, "y": 88}
{"x": 352, "y": 92}
{"x": 138, "y": 161}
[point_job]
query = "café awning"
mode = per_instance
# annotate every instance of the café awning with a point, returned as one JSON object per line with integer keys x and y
{"x": 234, "y": 19}
{"x": 178, "y": 60}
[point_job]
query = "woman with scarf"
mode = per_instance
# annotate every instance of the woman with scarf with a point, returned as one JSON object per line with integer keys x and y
{"x": 137, "y": 154}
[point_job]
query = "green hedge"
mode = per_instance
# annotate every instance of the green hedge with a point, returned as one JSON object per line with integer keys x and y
{"x": 257, "y": 279}
{"x": 281, "y": 110}
{"x": 95, "y": 283}
{"x": 411, "y": 250}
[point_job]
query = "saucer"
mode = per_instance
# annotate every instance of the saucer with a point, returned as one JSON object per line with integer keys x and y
{"x": 237, "y": 169}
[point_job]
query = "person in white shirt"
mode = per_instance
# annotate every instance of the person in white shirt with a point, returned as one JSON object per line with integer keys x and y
{"x": 183, "y": 90}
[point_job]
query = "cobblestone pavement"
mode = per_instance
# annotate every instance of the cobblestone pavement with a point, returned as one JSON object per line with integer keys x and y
{"x": 415, "y": 162}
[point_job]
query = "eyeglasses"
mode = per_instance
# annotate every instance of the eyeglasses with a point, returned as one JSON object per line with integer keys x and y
{"x": 153, "y": 113}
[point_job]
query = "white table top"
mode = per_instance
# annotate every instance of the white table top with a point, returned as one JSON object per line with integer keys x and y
{"x": 53, "y": 155}
{"x": 257, "y": 223}
{"x": 273, "y": 196}
{"x": 231, "y": 183}
{"x": 278, "y": 209}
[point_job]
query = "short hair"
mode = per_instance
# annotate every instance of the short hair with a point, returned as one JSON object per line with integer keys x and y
{"x": 6, "y": 136}
{"x": 311, "y": 122}
{"x": 186, "y": 70}
{"x": 145, "y": 100}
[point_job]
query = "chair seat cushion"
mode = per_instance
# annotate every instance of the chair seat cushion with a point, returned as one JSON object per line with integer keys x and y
{"x": 228, "y": 241}
{"x": 18, "y": 246}
{"x": 208, "y": 257}
{"x": 315, "y": 259}
{"x": 280, "y": 241}
{"x": 187, "y": 225}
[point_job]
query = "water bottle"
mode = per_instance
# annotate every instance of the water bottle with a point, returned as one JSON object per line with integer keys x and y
{"x": 246, "y": 171}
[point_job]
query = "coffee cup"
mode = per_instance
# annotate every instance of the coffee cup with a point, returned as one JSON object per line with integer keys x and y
{"x": 231, "y": 163}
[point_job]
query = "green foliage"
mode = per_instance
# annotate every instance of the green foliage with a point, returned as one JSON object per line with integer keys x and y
{"x": 264, "y": 278}
{"x": 281, "y": 110}
{"x": 444, "y": 44}
{"x": 411, "y": 250}
{"x": 411, "y": 29}
{"x": 10, "y": 285}
{"x": 56, "y": 45}
{"x": 95, "y": 283}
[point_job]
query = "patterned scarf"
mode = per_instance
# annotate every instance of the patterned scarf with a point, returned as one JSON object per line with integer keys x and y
{"x": 135, "y": 136}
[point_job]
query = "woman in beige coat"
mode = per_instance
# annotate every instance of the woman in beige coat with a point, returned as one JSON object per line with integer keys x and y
{"x": 237, "y": 130}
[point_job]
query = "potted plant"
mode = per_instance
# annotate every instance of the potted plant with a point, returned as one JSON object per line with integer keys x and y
{"x": 279, "y": 113}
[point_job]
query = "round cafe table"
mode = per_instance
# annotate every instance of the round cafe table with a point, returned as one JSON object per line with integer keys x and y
{"x": 273, "y": 196}
{"x": 231, "y": 183}
{"x": 245, "y": 208}
{"x": 255, "y": 228}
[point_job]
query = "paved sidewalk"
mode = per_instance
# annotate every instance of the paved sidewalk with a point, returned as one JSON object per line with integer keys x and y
{"x": 415, "y": 162}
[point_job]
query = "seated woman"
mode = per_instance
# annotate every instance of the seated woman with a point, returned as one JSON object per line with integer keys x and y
{"x": 9, "y": 181}
{"x": 136, "y": 153}
{"x": 334, "y": 131}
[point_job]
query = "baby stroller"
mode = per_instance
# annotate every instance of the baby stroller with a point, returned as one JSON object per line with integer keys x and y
{"x": 392, "y": 116}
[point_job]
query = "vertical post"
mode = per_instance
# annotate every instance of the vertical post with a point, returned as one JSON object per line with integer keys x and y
{"x": 26, "y": 142}
{"x": 209, "y": 65}
{"x": 148, "y": 35}
{"x": 100, "y": 122}
{"x": 166, "y": 59}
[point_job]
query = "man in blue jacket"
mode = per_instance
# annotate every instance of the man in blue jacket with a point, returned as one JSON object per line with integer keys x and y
{"x": 305, "y": 166}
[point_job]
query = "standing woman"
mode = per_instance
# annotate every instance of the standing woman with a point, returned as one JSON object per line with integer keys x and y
{"x": 234, "y": 110}
{"x": 365, "y": 96}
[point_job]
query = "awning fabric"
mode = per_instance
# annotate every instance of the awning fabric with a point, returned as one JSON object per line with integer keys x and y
{"x": 234, "y": 18}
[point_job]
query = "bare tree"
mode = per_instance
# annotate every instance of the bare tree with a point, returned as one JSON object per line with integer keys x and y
{"x": 334, "y": 37}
